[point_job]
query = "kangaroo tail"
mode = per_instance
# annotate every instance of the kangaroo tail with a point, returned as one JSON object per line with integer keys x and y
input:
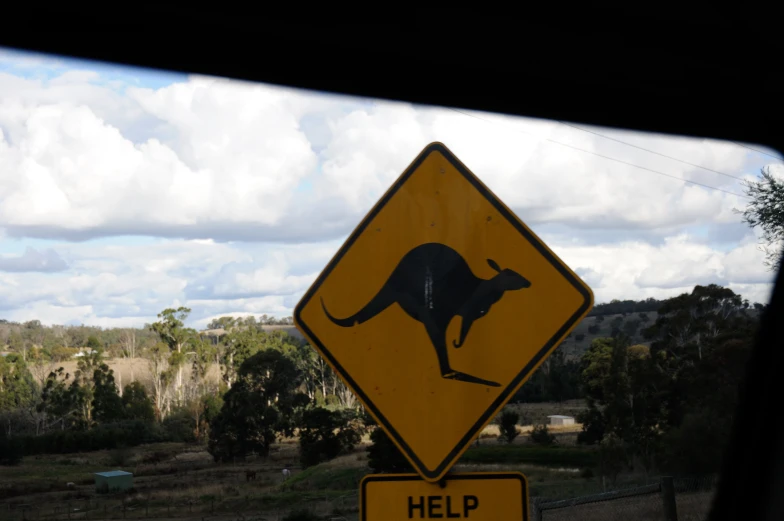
{"x": 342, "y": 322}
{"x": 379, "y": 303}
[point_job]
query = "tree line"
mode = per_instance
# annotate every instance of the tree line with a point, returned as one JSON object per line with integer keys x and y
{"x": 666, "y": 402}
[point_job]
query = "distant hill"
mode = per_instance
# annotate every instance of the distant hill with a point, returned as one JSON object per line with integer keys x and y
{"x": 602, "y": 325}
{"x": 616, "y": 307}
{"x": 595, "y": 326}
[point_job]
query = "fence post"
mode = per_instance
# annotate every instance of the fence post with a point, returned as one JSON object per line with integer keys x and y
{"x": 668, "y": 499}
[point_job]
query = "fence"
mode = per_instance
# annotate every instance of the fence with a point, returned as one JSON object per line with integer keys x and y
{"x": 670, "y": 499}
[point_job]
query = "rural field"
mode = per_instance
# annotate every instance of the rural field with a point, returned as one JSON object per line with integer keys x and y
{"x": 176, "y": 480}
{"x": 181, "y": 481}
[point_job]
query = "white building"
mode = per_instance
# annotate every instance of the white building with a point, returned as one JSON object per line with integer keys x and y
{"x": 557, "y": 419}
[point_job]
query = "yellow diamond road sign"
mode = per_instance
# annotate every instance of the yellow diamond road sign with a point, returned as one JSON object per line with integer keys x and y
{"x": 437, "y": 309}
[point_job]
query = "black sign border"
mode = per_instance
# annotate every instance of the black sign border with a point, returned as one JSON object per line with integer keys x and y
{"x": 504, "y": 396}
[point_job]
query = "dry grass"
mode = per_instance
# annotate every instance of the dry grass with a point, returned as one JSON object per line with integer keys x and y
{"x": 127, "y": 370}
{"x": 691, "y": 507}
{"x": 564, "y": 434}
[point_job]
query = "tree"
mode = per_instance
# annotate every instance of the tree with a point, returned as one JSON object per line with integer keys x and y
{"x": 41, "y": 364}
{"x": 129, "y": 348}
{"x": 622, "y": 385}
{"x": 136, "y": 404}
{"x": 325, "y": 434}
{"x": 258, "y": 407}
{"x": 17, "y": 387}
{"x": 384, "y": 456}
{"x": 107, "y": 404}
{"x": 241, "y": 344}
{"x": 64, "y": 402}
{"x": 540, "y": 435}
{"x": 766, "y": 211}
{"x": 172, "y": 331}
{"x": 161, "y": 375}
{"x": 507, "y": 423}
{"x": 612, "y": 457}
{"x": 93, "y": 342}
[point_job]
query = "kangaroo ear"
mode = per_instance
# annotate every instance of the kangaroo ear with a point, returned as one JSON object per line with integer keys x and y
{"x": 493, "y": 264}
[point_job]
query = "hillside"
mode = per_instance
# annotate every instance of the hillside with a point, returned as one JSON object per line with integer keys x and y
{"x": 593, "y": 327}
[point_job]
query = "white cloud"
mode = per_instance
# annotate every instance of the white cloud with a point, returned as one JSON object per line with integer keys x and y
{"x": 225, "y": 159}
{"x": 33, "y": 260}
{"x": 642, "y": 270}
{"x": 251, "y": 189}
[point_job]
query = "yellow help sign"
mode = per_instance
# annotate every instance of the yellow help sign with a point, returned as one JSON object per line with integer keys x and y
{"x": 477, "y": 496}
{"x": 437, "y": 309}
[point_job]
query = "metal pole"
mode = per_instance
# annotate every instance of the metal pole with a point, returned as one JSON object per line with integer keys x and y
{"x": 668, "y": 499}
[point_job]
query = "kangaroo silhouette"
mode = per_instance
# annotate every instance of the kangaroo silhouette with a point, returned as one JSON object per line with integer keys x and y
{"x": 433, "y": 284}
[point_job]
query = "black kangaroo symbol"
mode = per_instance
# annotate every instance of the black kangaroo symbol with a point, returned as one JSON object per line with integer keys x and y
{"x": 433, "y": 284}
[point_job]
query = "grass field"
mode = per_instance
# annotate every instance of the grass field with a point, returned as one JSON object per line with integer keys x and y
{"x": 180, "y": 481}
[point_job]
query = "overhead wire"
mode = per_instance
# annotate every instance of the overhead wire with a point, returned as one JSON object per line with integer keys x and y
{"x": 650, "y": 151}
{"x": 616, "y": 159}
{"x": 757, "y": 151}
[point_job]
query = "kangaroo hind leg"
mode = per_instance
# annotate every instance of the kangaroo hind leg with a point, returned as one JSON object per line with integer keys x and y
{"x": 438, "y": 339}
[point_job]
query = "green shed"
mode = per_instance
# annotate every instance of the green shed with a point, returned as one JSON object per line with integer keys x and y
{"x": 113, "y": 481}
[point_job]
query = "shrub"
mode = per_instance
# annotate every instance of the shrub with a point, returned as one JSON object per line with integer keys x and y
{"x": 178, "y": 427}
{"x": 384, "y": 456}
{"x": 129, "y": 433}
{"x": 541, "y": 435}
{"x": 157, "y": 456}
{"x": 325, "y": 434}
{"x": 11, "y": 451}
{"x": 612, "y": 457}
{"x": 593, "y": 427}
{"x": 508, "y": 425}
{"x": 696, "y": 446}
{"x": 552, "y": 455}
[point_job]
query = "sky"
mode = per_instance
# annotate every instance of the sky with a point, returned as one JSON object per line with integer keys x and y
{"x": 124, "y": 191}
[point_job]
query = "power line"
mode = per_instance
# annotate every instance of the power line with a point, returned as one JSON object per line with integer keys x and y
{"x": 650, "y": 151}
{"x": 757, "y": 151}
{"x": 611, "y": 158}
